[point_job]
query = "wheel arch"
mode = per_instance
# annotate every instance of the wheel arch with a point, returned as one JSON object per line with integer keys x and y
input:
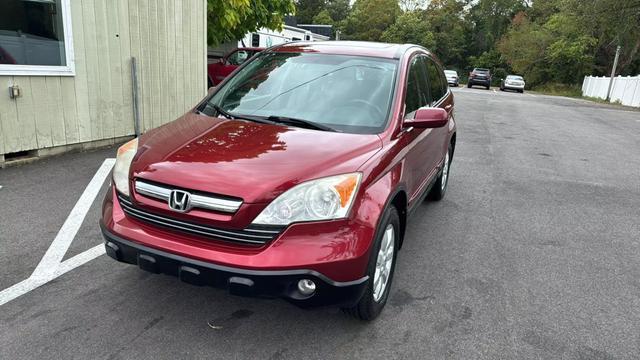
{"x": 400, "y": 202}
{"x": 453, "y": 143}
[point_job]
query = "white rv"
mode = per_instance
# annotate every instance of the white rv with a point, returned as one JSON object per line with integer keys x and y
{"x": 265, "y": 38}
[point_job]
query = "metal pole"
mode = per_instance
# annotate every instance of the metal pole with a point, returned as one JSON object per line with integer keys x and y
{"x": 337, "y": 35}
{"x": 134, "y": 86}
{"x": 613, "y": 73}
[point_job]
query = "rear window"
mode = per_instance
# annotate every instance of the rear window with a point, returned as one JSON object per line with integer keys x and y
{"x": 480, "y": 70}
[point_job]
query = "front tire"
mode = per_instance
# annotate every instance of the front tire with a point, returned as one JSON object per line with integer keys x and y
{"x": 469, "y": 85}
{"x": 440, "y": 187}
{"x": 382, "y": 264}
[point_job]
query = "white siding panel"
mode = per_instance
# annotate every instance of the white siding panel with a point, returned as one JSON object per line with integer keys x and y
{"x": 80, "y": 80}
{"x": 9, "y": 126}
{"x": 125, "y": 66}
{"x": 55, "y": 114}
{"x": 26, "y": 116}
{"x": 41, "y": 103}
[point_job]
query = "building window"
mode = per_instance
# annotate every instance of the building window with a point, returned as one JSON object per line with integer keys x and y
{"x": 35, "y": 37}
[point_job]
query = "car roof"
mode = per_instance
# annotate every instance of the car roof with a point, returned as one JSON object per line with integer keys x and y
{"x": 361, "y": 48}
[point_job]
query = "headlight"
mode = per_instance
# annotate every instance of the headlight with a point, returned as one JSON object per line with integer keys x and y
{"x": 322, "y": 199}
{"x": 125, "y": 155}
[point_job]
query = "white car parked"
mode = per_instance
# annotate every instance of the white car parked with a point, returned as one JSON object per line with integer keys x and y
{"x": 452, "y": 77}
{"x": 512, "y": 82}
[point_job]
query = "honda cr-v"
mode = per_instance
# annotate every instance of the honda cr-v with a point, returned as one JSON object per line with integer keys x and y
{"x": 294, "y": 178}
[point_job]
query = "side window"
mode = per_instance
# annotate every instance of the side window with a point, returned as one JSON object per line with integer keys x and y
{"x": 443, "y": 81}
{"x": 424, "y": 83}
{"x": 436, "y": 84}
{"x": 255, "y": 40}
{"x": 412, "y": 96}
{"x": 238, "y": 57}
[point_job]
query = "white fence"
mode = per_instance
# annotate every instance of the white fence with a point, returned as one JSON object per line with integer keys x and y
{"x": 626, "y": 90}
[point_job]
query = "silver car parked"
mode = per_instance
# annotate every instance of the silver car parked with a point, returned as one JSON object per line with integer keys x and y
{"x": 512, "y": 82}
{"x": 452, "y": 77}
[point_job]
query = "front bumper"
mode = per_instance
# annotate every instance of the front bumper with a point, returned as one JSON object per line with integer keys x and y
{"x": 238, "y": 281}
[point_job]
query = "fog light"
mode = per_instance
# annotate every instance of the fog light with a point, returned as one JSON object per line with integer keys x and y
{"x": 306, "y": 287}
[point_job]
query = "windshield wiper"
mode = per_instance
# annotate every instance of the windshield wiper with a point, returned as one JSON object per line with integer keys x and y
{"x": 229, "y": 115}
{"x": 300, "y": 123}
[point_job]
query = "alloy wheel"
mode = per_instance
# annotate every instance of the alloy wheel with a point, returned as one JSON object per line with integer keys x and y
{"x": 384, "y": 263}
{"x": 445, "y": 171}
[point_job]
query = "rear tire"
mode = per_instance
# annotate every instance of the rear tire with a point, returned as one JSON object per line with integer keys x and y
{"x": 440, "y": 187}
{"x": 375, "y": 297}
{"x": 469, "y": 85}
{"x": 487, "y": 87}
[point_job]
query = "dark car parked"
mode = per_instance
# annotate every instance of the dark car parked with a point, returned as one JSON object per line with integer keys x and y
{"x": 267, "y": 189}
{"x": 480, "y": 76}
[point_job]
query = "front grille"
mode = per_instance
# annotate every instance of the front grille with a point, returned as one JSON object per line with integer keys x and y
{"x": 249, "y": 235}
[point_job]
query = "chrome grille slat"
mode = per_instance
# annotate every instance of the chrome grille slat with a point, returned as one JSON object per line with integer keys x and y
{"x": 248, "y": 235}
{"x": 197, "y": 201}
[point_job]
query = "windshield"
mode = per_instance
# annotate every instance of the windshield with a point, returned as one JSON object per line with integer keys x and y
{"x": 450, "y": 72}
{"x": 481, "y": 70}
{"x": 514, "y": 77}
{"x": 346, "y": 93}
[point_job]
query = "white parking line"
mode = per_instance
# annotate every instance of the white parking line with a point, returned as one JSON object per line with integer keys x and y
{"x": 51, "y": 266}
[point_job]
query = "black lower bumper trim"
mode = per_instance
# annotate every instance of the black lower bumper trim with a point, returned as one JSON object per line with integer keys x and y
{"x": 257, "y": 283}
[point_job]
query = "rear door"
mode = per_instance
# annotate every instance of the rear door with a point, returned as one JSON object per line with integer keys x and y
{"x": 439, "y": 96}
{"x": 420, "y": 162}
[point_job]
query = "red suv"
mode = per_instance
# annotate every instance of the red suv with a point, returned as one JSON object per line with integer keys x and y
{"x": 294, "y": 178}
{"x": 219, "y": 69}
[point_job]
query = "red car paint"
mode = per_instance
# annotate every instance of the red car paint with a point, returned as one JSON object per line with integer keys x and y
{"x": 257, "y": 162}
{"x": 219, "y": 70}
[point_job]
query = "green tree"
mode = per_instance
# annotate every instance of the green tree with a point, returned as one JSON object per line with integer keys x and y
{"x": 447, "y": 22}
{"x": 524, "y": 48}
{"x": 306, "y": 10}
{"x": 370, "y": 18}
{"x": 409, "y": 27}
{"x": 557, "y": 51}
{"x": 231, "y": 19}
{"x": 323, "y": 18}
{"x": 491, "y": 19}
{"x": 612, "y": 23}
{"x": 338, "y": 9}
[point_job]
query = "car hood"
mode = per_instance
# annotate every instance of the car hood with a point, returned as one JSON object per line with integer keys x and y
{"x": 255, "y": 162}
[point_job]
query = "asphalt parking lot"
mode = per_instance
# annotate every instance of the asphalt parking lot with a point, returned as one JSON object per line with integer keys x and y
{"x": 533, "y": 254}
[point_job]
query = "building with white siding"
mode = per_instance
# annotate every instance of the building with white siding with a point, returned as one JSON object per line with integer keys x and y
{"x": 65, "y": 66}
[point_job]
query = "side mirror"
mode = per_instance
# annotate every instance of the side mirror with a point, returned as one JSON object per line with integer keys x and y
{"x": 221, "y": 61}
{"x": 426, "y": 118}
